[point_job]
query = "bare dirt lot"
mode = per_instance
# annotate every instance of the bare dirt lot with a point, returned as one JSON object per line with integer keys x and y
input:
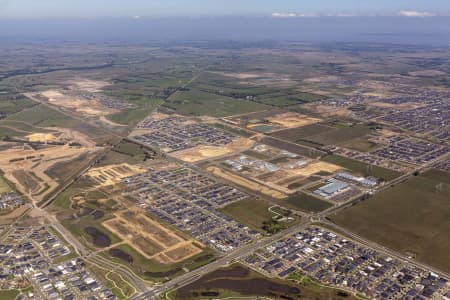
{"x": 316, "y": 167}
{"x": 78, "y": 104}
{"x": 246, "y": 183}
{"x": 292, "y": 120}
{"x": 206, "y": 152}
{"x": 112, "y": 174}
{"x": 403, "y": 106}
{"x": 151, "y": 239}
{"x": 10, "y": 217}
{"x": 88, "y": 85}
{"x": 28, "y": 168}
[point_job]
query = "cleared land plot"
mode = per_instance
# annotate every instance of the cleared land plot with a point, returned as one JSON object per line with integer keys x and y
{"x": 28, "y": 169}
{"x": 151, "y": 239}
{"x": 246, "y": 183}
{"x": 205, "y": 152}
{"x": 411, "y": 217}
{"x": 80, "y": 105}
{"x": 4, "y": 185}
{"x": 112, "y": 174}
{"x": 362, "y": 168}
{"x": 317, "y": 167}
{"x": 26, "y": 180}
{"x": 292, "y": 120}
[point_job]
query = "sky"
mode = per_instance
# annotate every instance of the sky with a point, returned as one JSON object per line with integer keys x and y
{"x": 274, "y": 8}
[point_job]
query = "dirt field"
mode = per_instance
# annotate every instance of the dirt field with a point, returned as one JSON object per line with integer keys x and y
{"x": 92, "y": 86}
{"x": 112, "y": 174}
{"x": 26, "y": 167}
{"x": 80, "y": 105}
{"x": 327, "y": 111}
{"x": 292, "y": 120}
{"x": 251, "y": 185}
{"x": 12, "y": 216}
{"x": 41, "y": 137}
{"x": 151, "y": 239}
{"x": 206, "y": 152}
{"x": 403, "y": 106}
{"x": 316, "y": 167}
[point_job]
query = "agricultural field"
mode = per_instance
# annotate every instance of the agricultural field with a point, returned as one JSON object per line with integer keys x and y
{"x": 362, "y": 168}
{"x": 411, "y": 217}
{"x": 353, "y": 136}
{"x": 198, "y": 103}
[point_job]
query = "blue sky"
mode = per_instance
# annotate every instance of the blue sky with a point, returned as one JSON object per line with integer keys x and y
{"x": 284, "y": 8}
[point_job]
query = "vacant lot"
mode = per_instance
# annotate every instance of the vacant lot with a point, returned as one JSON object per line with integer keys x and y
{"x": 198, "y": 103}
{"x": 295, "y": 134}
{"x": 246, "y": 183}
{"x": 412, "y": 217}
{"x": 306, "y": 203}
{"x": 250, "y": 212}
{"x": 362, "y": 168}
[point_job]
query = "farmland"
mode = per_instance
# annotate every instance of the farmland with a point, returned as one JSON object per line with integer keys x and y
{"x": 410, "y": 217}
{"x": 197, "y": 103}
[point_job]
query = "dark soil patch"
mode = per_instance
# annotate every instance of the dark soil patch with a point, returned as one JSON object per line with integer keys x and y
{"x": 98, "y": 214}
{"x": 115, "y": 252}
{"x": 99, "y": 238}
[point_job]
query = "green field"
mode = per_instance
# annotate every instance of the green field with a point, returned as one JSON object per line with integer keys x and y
{"x": 306, "y": 203}
{"x": 197, "y": 103}
{"x": 41, "y": 115}
{"x": 362, "y": 168}
{"x": 250, "y": 212}
{"x": 9, "y": 294}
{"x": 412, "y": 217}
{"x": 133, "y": 116}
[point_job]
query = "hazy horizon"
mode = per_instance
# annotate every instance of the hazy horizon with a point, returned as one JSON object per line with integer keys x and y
{"x": 434, "y": 31}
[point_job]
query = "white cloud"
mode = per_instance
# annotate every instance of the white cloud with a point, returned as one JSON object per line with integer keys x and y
{"x": 310, "y": 15}
{"x": 412, "y": 13}
{"x": 283, "y": 15}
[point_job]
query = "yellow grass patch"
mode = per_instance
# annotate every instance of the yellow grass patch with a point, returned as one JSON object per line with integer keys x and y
{"x": 292, "y": 120}
{"x": 316, "y": 167}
